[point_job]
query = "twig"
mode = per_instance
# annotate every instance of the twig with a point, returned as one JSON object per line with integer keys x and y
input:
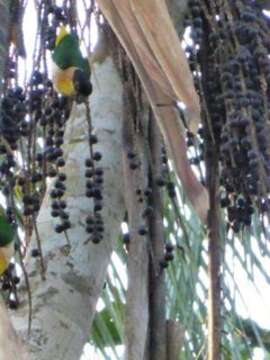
{"x": 29, "y": 293}
{"x": 42, "y": 265}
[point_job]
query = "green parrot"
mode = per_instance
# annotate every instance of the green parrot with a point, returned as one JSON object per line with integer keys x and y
{"x": 6, "y": 242}
{"x": 71, "y": 71}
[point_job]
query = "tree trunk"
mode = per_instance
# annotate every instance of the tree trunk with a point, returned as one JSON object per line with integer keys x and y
{"x": 137, "y": 312}
{"x": 64, "y": 305}
{"x": 157, "y": 286}
{"x": 10, "y": 347}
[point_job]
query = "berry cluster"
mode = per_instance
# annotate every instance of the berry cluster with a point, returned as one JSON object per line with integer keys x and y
{"x": 94, "y": 185}
{"x": 232, "y": 68}
{"x": 13, "y": 124}
{"x": 53, "y": 123}
{"x": 10, "y": 281}
{"x": 168, "y": 255}
{"x": 32, "y": 123}
{"x": 164, "y": 178}
{"x": 145, "y": 199}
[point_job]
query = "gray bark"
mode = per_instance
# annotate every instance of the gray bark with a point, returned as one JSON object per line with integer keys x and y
{"x": 64, "y": 304}
{"x": 175, "y": 339}
{"x": 10, "y": 346}
{"x": 157, "y": 286}
{"x": 137, "y": 301}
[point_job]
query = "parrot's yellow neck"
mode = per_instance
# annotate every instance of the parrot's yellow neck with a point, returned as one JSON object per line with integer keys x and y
{"x": 3, "y": 263}
{"x": 62, "y": 33}
{"x": 63, "y": 80}
{"x": 6, "y": 254}
{"x": 64, "y": 86}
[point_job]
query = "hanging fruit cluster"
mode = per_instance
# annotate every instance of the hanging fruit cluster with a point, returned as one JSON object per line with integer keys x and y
{"x": 94, "y": 186}
{"x": 32, "y": 124}
{"x": 232, "y": 72}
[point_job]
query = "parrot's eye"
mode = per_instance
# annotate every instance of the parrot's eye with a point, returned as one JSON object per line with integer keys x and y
{"x": 82, "y": 83}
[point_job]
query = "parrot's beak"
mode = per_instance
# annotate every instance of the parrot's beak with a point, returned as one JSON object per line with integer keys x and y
{"x": 82, "y": 84}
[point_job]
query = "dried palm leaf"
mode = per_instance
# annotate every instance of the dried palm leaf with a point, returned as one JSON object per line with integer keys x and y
{"x": 158, "y": 88}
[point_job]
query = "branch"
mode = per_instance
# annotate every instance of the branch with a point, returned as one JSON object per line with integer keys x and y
{"x": 137, "y": 313}
{"x": 175, "y": 339}
{"x": 214, "y": 253}
{"x": 157, "y": 286}
{"x": 213, "y": 226}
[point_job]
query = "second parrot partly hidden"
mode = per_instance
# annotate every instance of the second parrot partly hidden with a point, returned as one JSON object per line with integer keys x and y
{"x": 71, "y": 71}
{"x": 6, "y": 242}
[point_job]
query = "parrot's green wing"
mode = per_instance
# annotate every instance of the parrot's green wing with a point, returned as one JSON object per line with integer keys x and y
{"x": 68, "y": 54}
{"x": 6, "y": 231}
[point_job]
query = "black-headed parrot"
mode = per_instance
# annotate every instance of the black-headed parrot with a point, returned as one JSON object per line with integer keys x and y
{"x": 71, "y": 71}
{"x": 7, "y": 233}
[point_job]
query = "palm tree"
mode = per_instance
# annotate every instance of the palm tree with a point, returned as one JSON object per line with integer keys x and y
{"x": 172, "y": 290}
